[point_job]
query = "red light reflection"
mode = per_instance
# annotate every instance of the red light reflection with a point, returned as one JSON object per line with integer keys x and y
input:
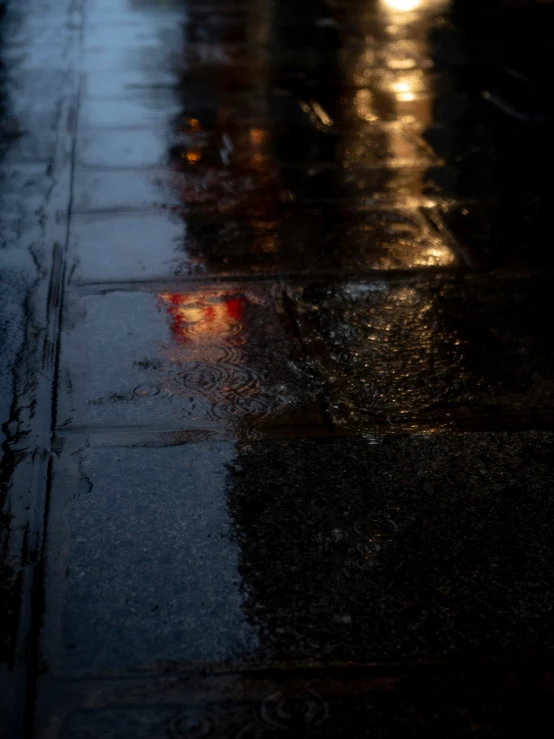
{"x": 204, "y": 316}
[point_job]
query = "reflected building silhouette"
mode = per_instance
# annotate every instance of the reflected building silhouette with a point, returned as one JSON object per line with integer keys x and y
{"x": 310, "y": 157}
{"x": 292, "y": 151}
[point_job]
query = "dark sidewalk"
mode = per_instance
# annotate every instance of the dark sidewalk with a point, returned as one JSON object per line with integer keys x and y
{"x": 276, "y": 378}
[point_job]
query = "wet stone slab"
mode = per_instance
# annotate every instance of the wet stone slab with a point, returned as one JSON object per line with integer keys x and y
{"x": 316, "y": 550}
{"x": 139, "y": 32}
{"x": 253, "y": 147}
{"x": 147, "y": 107}
{"x": 147, "y": 57}
{"x": 258, "y": 523}
{"x": 29, "y": 148}
{"x": 432, "y": 349}
{"x": 24, "y": 192}
{"x": 343, "y": 59}
{"x": 258, "y": 191}
{"x": 316, "y": 703}
{"x": 512, "y": 233}
{"x": 121, "y": 190}
{"x": 475, "y": 182}
{"x": 116, "y": 86}
{"x": 128, "y": 247}
{"x": 287, "y": 240}
{"x": 127, "y": 149}
{"x": 311, "y": 21}
{"x": 509, "y": 148}
{"x": 250, "y": 151}
{"x": 334, "y": 108}
{"x": 110, "y": 10}
{"x": 204, "y": 357}
{"x": 31, "y": 104}
{"x": 168, "y": 588}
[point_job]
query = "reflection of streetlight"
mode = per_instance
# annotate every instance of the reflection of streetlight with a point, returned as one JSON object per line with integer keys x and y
{"x": 402, "y": 4}
{"x": 403, "y": 91}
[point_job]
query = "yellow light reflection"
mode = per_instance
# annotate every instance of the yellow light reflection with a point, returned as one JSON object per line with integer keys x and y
{"x": 398, "y": 62}
{"x": 402, "y": 5}
{"x": 406, "y": 255}
{"x": 318, "y": 114}
{"x": 363, "y": 103}
{"x": 403, "y": 90}
{"x": 257, "y": 156}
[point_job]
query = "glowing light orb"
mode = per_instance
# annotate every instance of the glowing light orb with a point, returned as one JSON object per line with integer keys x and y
{"x": 402, "y": 4}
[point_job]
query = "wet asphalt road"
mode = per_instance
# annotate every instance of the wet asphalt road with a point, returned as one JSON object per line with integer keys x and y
{"x": 276, "y": 379}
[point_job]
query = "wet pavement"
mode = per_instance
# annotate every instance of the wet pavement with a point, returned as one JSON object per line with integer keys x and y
{"x": 276, "y": 386}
